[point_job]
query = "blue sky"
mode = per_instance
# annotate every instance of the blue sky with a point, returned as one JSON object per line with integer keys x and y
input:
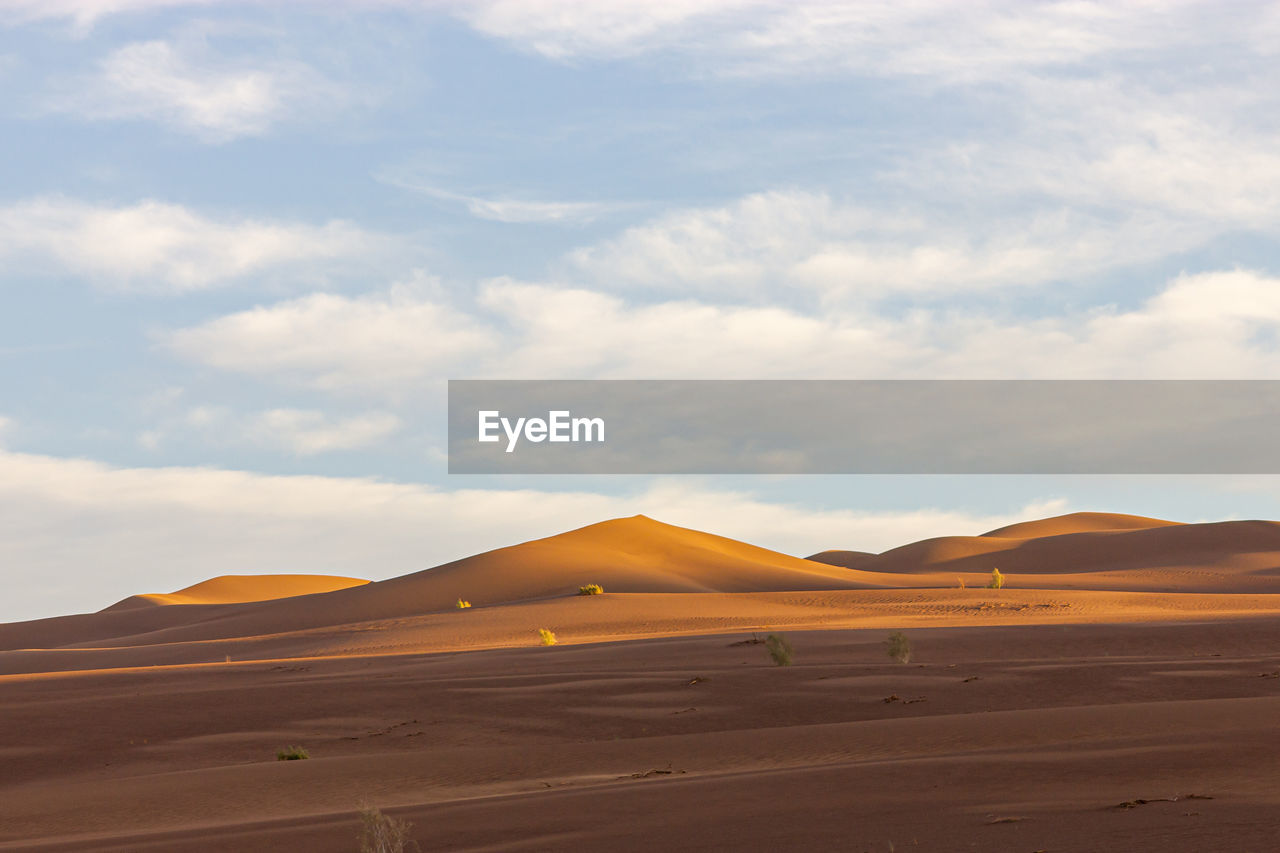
{"x": 244, "y": 247}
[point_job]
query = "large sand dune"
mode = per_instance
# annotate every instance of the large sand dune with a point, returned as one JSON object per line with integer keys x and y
{"x": 1129, "y": 661}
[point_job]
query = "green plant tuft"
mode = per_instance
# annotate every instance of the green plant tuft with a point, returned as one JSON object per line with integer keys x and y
{"x": 779, "y": 649}
{"x": 462, "y": 604}
{"x": 292, "y": 753}
{"x": 997, "y": 580}
{"x": 590, "y": 589}
{"x": 899, "y": 647}
{"x": 548, "y": 637}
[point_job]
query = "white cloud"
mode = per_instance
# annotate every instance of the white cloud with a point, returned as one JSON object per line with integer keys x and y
{"x": 154, "y": 529}
{"x": 1213, "y": 325}
{"x": 187, "y": 87}
{"x": 384, "y": 341}
{"x": 155, "y": 246}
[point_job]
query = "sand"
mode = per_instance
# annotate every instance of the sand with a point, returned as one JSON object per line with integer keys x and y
{"x": 1128, "y": 660}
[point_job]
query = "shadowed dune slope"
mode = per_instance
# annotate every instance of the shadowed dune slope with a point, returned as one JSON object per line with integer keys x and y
{"x": 236, "y": 589}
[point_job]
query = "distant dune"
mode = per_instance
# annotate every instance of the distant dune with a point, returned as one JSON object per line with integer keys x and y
{"x": 1077, "y": 522}
{"x": 1099, "y": 551}
{"x": 235, "y": 589}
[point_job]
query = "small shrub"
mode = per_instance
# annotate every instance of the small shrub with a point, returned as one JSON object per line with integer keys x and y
{"x": 899, "y": 647}
{"x": 380, "y": 833}
{"x": 548, "y": 637}
{"x": 997, "y": 580}
{"x": 590, "y": 589}
{"x": 292, "y": 753}
{"x": 462, "y": 604}
{"x": 779, "y": 649}
{"x": 961, "y": 581}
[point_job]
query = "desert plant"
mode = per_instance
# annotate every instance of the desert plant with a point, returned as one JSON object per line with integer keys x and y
{"x": 961, "y": 581}
{"x": 292, "y": 753}
{"x": 997, "y": 580}
{"x": 899, "y": 647}
{"x": 380, "y": 833}
{"x": 462, "y": 604}
{"x": 779, "y": 649}
{"x": 548, "y": 637}
{"x": 590, "y": 589}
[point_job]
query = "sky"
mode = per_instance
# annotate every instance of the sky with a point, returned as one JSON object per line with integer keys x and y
{"x": 243, "y": 247}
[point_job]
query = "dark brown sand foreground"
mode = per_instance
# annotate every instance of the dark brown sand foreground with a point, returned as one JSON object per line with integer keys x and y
{"x": 1122, "y": 693}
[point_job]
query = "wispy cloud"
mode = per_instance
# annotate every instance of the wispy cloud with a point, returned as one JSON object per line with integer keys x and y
{"x": 509, "y": 209}
{"x": 160, "y": 247}
{"x": 187, "y": 87}
{"x": 936, "y": 38}
{"x": 85, "y": 13}
{"x": 772, "y": 246}
{"x": 300, "y": 432}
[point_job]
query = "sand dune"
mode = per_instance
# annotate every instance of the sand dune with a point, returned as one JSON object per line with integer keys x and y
{"x": 236, "y": 589}
{"x": 638, "y": 555}
{"x": 1117, "y": 695}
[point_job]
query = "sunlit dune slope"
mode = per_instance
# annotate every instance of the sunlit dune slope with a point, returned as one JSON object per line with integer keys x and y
{"x": 235, "y": 589}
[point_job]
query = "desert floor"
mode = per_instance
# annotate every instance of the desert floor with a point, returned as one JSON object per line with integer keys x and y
{"x": 1028, "y": 719}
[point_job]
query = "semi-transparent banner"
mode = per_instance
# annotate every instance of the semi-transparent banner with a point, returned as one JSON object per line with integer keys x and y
{"x": 864, "y": 427}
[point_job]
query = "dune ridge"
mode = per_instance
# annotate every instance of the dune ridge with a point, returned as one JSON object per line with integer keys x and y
{"x": 1092, "y": 553}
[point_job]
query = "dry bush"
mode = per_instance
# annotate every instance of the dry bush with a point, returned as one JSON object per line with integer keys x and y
{"x": 590, "y": 589}
{"x": 462, "y": 604}
{"x": 292, "y": 753}
{"x": 548, "y": 637}
{"x": 380, "y": 833}
{"x": 997, "y": 580}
